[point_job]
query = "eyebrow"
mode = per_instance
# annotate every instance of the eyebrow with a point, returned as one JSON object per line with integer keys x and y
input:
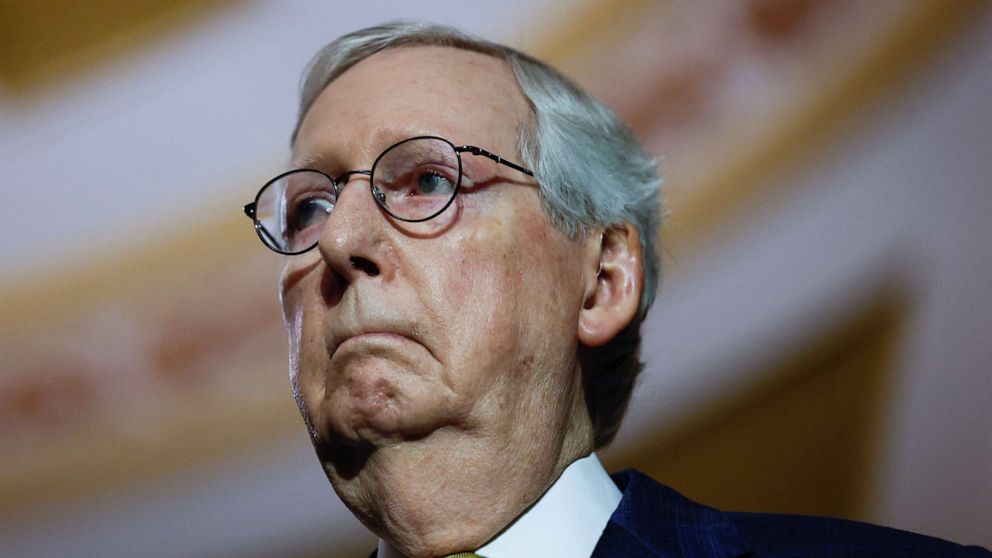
{"x": 385, "y": 137}
{"x": 309, "y": 160}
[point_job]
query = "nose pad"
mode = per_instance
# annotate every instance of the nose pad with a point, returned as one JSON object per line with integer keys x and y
{"x": 378, "y": 195}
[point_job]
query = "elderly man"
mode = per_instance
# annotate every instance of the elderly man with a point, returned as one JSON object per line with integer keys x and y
{"x": 471, "y": 251}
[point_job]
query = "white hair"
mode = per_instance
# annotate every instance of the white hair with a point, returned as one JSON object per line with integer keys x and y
{"x": 592, "y": 171}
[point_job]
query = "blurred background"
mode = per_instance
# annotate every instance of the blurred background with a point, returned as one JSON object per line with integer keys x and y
{"x": 821, "y": 343}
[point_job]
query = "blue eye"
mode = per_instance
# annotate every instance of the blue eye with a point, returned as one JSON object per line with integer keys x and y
{"x": 434, "y": 184}
{"x": 309, "y": 212}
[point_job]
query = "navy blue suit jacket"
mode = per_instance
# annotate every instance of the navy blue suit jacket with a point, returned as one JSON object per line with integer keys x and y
{"x": 653, "y": 520}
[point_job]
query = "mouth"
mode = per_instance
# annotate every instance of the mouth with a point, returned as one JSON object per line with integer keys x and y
{"x": 371, "y": 337}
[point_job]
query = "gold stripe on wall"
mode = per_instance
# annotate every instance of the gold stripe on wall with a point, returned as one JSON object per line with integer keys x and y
{"x": 50, "y": 292}
{"x": 727, "y": 187}
{"x": 602, "y": 21}
{"x": 44, "y": 42}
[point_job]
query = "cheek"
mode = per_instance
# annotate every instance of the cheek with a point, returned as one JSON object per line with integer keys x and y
{"x": 506, "y": 274}
{"x": 487, "y": 264}
{"x": 294, "y": 318}
{"x": 297, "y": 272}
{"x": 303, "y": 333}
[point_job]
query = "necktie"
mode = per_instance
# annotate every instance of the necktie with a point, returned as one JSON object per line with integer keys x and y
{"x": 463, "y": 555}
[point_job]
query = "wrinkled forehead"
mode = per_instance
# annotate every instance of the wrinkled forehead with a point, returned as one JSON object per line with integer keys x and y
{"x": 465, "y": 96}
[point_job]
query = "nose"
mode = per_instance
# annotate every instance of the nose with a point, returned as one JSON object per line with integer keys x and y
{"x": 354, "y": 241}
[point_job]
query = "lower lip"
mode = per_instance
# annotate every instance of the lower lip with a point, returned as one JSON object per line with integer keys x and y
{"x": 380, "y": 334}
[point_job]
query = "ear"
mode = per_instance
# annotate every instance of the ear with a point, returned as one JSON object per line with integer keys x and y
{"x": 612, "y": 296}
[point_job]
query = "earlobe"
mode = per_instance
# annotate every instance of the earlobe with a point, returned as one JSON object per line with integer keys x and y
{"x": 613, "y": 298}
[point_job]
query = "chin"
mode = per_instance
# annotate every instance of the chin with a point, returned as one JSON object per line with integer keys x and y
{"x": 376, "y": 399}
{"x": 352, "y": 430}
{"x": 379, "y": 413}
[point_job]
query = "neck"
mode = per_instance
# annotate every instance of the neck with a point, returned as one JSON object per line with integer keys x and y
{"x": 456, "y": 489}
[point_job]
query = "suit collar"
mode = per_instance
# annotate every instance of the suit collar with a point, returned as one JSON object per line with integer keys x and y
{"x": 654, "y": 520}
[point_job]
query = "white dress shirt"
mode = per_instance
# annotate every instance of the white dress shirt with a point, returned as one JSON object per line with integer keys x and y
{"x": 566, "y": 522}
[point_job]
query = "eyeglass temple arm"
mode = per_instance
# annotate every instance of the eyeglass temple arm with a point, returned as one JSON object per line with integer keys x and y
{"x": 250, "y": 211}
{"x": 499, "y": 160}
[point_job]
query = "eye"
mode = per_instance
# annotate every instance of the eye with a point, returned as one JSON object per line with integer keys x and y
{"x": 433, "y": 183}
{"x": 308, "y": 212}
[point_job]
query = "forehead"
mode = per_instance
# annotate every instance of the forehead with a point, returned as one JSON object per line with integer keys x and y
{"x": 465, "y": 96}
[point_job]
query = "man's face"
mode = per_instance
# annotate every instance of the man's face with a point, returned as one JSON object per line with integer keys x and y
{"x": 467, "y": 321}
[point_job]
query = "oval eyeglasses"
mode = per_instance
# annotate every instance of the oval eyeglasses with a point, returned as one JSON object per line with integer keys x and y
{"x": 413, "y": 180}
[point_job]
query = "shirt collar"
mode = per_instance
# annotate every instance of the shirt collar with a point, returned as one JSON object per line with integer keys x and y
{"x": 565, "y": 522}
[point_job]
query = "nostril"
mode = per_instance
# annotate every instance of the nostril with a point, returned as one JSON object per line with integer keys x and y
{"x": 332, "y": 284}
{"x": 364, "y": 265}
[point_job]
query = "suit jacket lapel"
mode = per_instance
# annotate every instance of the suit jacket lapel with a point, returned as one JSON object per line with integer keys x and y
{"x": 654, "y": 520}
